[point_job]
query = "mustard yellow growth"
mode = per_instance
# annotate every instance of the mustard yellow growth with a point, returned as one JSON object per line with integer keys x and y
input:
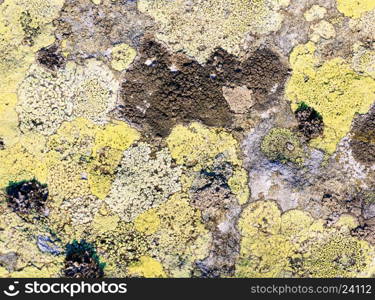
{"x": 18, "y": 162}
{"x": 181, "y": 235}
{"x": 198, "y": 27}
{"x": 331, "y": 88}
{"x": 110, "y": 142}
{"x": 122, "y": 56}
{"x": 196, "y": 146}
{"x": 95, "y": 150}
{"x": 294, "y": 244}
{"x": 105, "y": 223}
{"x": 8, "y": 118}
{"x": 147, "y": 267}
{"x": 148, "y": 222}
{"x": 25, "y": 27}
{"x": 355, "y": 8}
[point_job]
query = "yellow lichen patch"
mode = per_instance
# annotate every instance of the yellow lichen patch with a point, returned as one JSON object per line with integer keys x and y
{"x": 354, "y": 8}
{"x": 105, "y": 223}
{"x": 148, "y": 222}
{"x": 117, "y": 135}
{"x": 8, "y": 118}
{"x": 254, "y": 219}
{"x": 270, "y": 257}
{"x": 239, "y": 185}
{"x": 17, "y": 163}
{"x": 347, "y": 221}
{"x": 340, "y": 256}
{"x": 294, "y": 222}
{"x": 66, "y": 180}
{"x": 182, "y": 237}
{"x": 199, "y": 27}
{"x": 25, "y": 27}
{"x": 297, "y": 245}
{"x": 122, "y": 56}
{"x": 333, "y": 89}
{"x": 197, "y": 146}
{"x": 110, "y": 142}
{"x": 147, "y": 267}
{"x": 19, "y": 238}
{"x": 4, "y": 273}
{"x": 73, "y": 140}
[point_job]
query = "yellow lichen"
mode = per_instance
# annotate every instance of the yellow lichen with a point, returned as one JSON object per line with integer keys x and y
{"x": 105, "y": 223}
{"x": 182, "y": 237}
{"x": 332, "y": 88}
{"x": 197, "y": 146}
{"x": 239, "y": 185}
{"x": 147, "y": 267}
{"x": 25, "y": 27}
{"x": 355, "y": 8}
{"x": 8, "y": 118}
{"x": 122, "y": 56}
{"x": 148, "y": 222}
{"x": 294, "y": 244}
{"x": 17, "y": 163}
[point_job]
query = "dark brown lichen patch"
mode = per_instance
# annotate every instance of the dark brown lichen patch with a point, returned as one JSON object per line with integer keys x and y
{"x": 81, "y": 261}
{"x": 210, "y": 193}
{"x": 161, "y": 90}
{"x": 363, "y": 139}
{"x": 310, "y": 122}
{"x": 2, "y": 144}
{"x": 27, "y": 197}
{"x": 51, "y": 58}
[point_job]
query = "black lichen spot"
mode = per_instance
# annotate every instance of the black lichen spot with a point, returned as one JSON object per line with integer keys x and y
{"x": 161, "y": 89}
{"x": 51, "y": 58}
{"x": 310, "y": 122}
{"x": 363, "y": 139}
{"x": 81, "y": 261}
{"x": 30, "y": 31}
{"x": 27, "y": 197}
{"x": 2, "y": 144}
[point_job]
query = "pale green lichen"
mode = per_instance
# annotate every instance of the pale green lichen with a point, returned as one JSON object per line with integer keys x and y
{"x": 144, "y": 180}
{"x": 332, "y": 88}
{"x": 314, "y": 13}
{"x": 199, "y": 27}
{"x": 47, "y": 99}
{"x": 281, "y": 144}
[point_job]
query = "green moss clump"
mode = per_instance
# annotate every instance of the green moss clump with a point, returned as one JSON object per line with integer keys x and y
{"x": 27, "y": 197}
{"x": 82, "y": 261}
{"x": 281, "y": 144}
